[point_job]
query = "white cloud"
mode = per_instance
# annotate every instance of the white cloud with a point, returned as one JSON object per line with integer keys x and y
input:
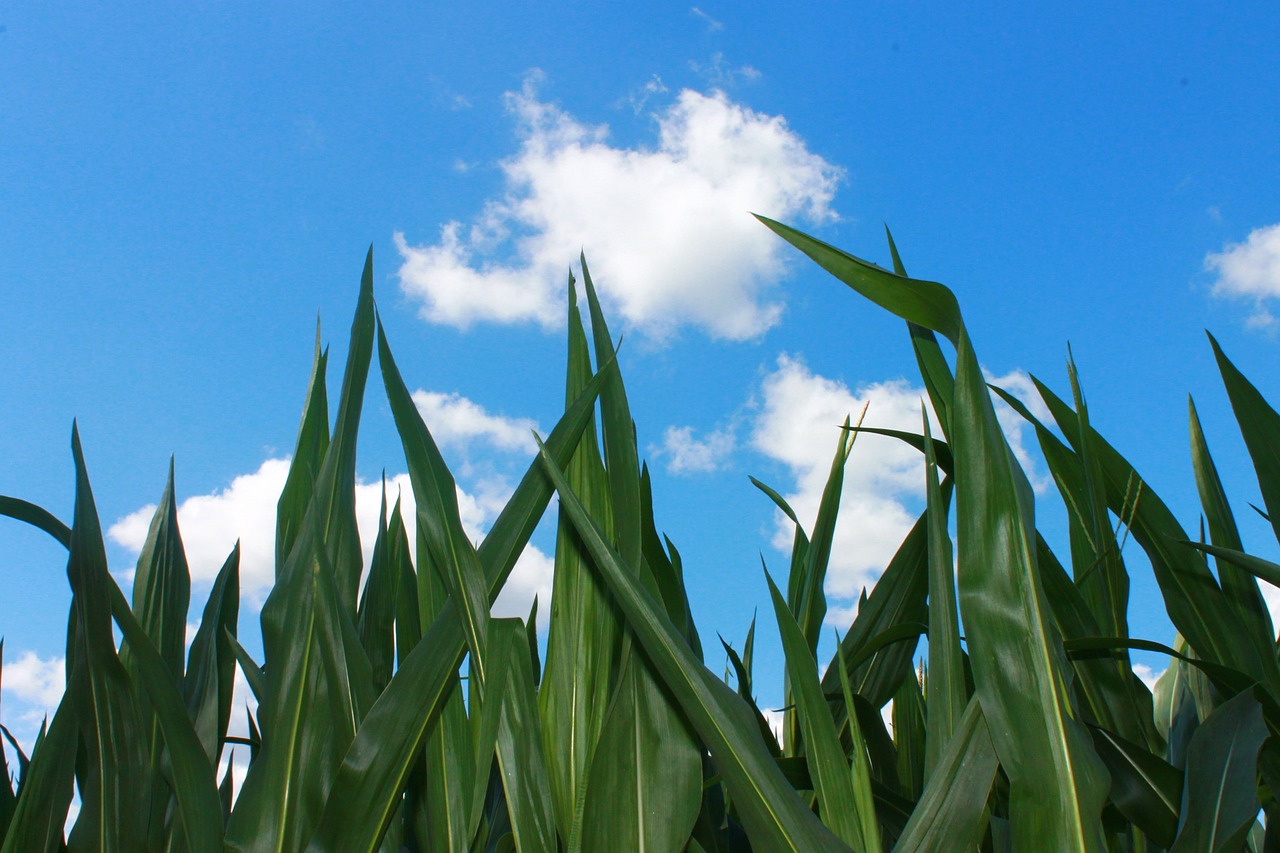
{"x": 455, "y": 422}
{"x": 798, "y": 424}
{"x": 35, "y": 680}
{"x": 667, "y": 229}
{"x": 1250, "y": 270}
{"x": 246, "y": 510}
{"x": 687, "y": 455}
{"x": 211, "y": 524}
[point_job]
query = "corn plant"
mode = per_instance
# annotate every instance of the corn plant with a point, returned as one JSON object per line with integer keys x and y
{"x": 397, "y": 713}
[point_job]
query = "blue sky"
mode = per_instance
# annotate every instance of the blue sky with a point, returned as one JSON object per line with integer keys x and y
{"x": 184, "y": 189}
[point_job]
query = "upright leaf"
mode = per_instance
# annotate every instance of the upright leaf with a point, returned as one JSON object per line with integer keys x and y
{"x": 947, "y": 693}
{"x": 1057, "y": 783}
{"x": 584, "y": 638}
{"x": 771, "y": 812}
{"x": 827, "y": 764}
{"x": 114, "y": 807}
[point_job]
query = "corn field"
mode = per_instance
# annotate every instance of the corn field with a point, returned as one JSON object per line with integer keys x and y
{"x": 396, "y": 713}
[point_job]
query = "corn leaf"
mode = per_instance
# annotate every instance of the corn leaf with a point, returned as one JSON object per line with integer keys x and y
{"x": 952, "y": 812}
{"x": 1220, "y": 796}
{"x": 393, "y": 733}
{"x": 1057, "y": 783}
{"x": 112, "y": 815}
{"x": 826, "y": 760}
{"x": 770, "y": 811}
{"x": 947, "y": 693}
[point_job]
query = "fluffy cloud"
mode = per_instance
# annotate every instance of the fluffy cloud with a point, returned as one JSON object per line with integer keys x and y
{"x": 687, "y": 455}
{"x": 1250, "y": 270}
{"x": 35, "y": 680}
{"x": 246, "y": 510}
{"x": 211, "y": 524}
{"x": 667, "y": 229}
{"x": 798, "y": 424}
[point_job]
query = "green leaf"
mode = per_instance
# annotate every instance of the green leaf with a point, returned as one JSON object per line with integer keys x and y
{"x": 773, "y": 815}
{"x": 308, "y": 455}
{"x": 188, "y": 767}
{"x": 45, "y": 796}
{"x": 1260, "y": 427}
{"x": 1144, "y": 787}
{"x": 909, "y": 734}
{"x": 388, "y": 743}
{"x": 375, "y": 618}
{"x": 1239, "y": 587}
{"x": 938, "y": 380}
{"x": 948, "y": 695}
{"x": 859, "y": 763}
{"x": 114, "y": 808}
{"x": 827, "y": 764}
{"x": 524, "y": 771}
{"x": 1057, "y": 783}
{"x": 897, "y": 599}
{"x": 1220, "y": 797}
{"x": 584, "y": 634}
{"x": 1192, "y": 597}
{"x": 645, "y": 785}
{"x": 952, "y": 812}
{"x": 211, "y": 663}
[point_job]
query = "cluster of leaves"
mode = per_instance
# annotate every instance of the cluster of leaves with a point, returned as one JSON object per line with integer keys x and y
{"x": 400, "y": 714}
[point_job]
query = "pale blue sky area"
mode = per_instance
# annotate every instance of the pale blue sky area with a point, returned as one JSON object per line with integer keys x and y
{"x": 184, "y": 187}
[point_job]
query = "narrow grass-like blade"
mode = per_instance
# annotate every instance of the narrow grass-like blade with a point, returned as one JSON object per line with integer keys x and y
{"x": 939, "y": 382}
{"x": 654, "y": 795}
{"x": 1220, "y": 800}
{"x": 828, "y": 766}
{"x": 375, "y": 617}
{"x": 909, "y": 734}
{"x": 1114, "y": 697}
{"x": 898, "y": 598}
{"x": 253, "y": 674}
{"x": 952, "y": 812}
{"x": 161, "y": 598}
{"x": 1192, "y": 597}
{"x": 774, "y": 816}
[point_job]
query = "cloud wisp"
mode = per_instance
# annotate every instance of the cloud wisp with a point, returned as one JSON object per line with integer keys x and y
{"x": 667, "y": 229}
